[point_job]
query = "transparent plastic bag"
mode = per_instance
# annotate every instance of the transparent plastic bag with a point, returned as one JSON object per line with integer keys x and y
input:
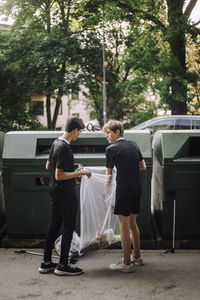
{"x": 98, "y": 225}
{"x": 75, "y": 244}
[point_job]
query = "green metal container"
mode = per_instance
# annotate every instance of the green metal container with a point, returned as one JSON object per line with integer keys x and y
{"x": 26, "y": 180}
{"x": 143, "y": 140}
{"x": 2, "y": 206}
{"x": 176, "y": 181}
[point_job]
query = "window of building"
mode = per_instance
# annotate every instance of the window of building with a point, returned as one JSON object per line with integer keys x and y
{"x": 38, "y": 107}
{"x": 75, "y": 115}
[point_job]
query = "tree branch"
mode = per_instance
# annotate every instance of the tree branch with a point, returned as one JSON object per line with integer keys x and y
{"x": 126, "y": 75}
{"x": 190, "y": 7}
{"x": 197, "y": 23}
{"x": 146, "y": 15}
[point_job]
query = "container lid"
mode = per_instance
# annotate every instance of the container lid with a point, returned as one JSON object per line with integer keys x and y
{"x": 37, "y": 144}
{"x": 174, "y": 145}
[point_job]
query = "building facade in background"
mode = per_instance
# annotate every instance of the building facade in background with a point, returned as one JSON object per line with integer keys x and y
{"x": 71, "y": 106}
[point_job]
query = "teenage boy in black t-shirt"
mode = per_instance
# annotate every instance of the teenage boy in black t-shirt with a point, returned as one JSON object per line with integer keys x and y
{"x": 127, "y": 158}
{"x": 63, "y": 199}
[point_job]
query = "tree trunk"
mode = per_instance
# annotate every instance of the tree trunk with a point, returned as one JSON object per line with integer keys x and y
{"x": 178, "y": 101}
{"x": 180, "y": 108}
{"x": 48, "y": 110}
{"x": 56, "y": 110}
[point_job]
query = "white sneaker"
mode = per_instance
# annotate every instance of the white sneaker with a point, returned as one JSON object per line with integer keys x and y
{"x": 121, "y": 267}
{"x": 137, "y": 261}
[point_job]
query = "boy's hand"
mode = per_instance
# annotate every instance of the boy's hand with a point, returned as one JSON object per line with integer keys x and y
{"x": 86, "y": 172}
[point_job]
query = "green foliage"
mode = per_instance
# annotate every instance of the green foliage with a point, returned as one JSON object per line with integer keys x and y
{"x": 144, "y": 112}
{"x": 16, "y": 111}
{"x": 45, "y": 49}
{"x": 124, "y": 83}
{"x": 60, "y": 49}
{"x": 158, "y": 47}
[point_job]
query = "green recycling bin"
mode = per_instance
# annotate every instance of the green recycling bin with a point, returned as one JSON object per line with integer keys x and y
{"x": 2, "y": 206}
{"x": 96, "y": 157}
{"x": 143, "y": 140}
{"x": 26, "y": 180}
{"x": 90, "y": 151}
{"x": 26, "y": 183}
{"x": 176, "y": 183}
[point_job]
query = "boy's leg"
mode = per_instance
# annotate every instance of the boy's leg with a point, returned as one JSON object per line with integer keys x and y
{"x": 52, "y": 232}
{"x": 135, "y": 235}
{"x": 69, "y": 206}
{"x": 124, "y": 223}
{"x": 65, "y": 244}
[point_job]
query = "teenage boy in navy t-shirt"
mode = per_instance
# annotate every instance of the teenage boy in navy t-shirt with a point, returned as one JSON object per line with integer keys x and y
{"x": 63, "y": 199}
{"x": 127, "y": 158}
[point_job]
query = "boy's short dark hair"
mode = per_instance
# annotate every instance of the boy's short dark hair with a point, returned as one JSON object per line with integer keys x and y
{"x": 73, "y": 123}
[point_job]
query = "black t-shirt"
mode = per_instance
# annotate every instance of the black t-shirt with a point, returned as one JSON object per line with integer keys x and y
{"x": 61, "y": 157}
{"x": 125, "y": 156}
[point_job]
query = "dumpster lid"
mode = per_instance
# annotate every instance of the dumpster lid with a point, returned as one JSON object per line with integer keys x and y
{"x": 174, "y": 145}
{"x": 36, "y": 144}
{"x": 142, "y": 139}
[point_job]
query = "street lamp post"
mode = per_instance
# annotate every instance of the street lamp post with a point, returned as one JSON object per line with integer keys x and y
{"x": 104, "y": 76}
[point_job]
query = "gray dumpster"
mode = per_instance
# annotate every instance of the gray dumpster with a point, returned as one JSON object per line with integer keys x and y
{"x": 2, "y": 206}
{"x": 176, "y": 183}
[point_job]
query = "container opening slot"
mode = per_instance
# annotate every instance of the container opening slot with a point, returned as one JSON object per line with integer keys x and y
{"x": 43, "y": 146}
{"x": 89, "y": 148}
{"x": 80, "y": 146}
{"x": 191, "y": 148}
{"x": 194, "y": 146}
{"x": 42, "y": 180}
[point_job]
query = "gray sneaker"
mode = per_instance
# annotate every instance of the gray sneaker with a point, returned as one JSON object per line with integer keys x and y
{"x": 137, "y": 261}
{"x": 46, "y": 268}
{"x": 67, "y": 270}
{"x": 121, "y": 267}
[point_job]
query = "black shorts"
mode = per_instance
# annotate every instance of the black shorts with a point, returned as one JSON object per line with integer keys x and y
{"x": 127, "y": 204}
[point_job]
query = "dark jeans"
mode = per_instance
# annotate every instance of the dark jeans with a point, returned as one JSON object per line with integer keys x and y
{"x": 63, "y": 211}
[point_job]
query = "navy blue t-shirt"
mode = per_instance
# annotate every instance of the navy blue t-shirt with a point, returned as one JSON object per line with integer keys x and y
{"x": 61, "y": 157}
{"x": 125, "y": 156}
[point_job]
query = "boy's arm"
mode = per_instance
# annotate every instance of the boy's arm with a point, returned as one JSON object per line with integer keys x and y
{"x": 48, "y": 165}
{"x": 109, "y": 173}
{"x": 61, "y": 175}
{"x": 142, "y": 165}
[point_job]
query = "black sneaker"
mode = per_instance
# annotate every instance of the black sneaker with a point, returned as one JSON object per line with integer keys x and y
{"x": 67, "y": 270}
{"x": 44, "y": 268}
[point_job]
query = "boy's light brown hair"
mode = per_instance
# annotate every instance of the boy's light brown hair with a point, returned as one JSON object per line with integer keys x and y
{"x": 114, "y": 126}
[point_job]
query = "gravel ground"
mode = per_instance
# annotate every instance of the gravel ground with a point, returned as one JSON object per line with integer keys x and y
{"x": 163, "y": 276}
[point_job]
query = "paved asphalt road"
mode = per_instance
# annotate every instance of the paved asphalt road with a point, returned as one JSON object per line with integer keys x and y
{"x": 171, "y": 276}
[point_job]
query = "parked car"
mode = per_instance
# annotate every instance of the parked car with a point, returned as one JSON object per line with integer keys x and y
{"x": 170, "y": 122}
